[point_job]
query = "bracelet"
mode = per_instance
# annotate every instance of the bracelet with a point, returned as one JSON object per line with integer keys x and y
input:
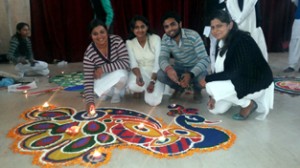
{"x": 153, "y": 81}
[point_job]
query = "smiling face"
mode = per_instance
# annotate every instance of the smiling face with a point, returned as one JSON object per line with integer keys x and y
{"x": 172, "y": 28}
{"x": 140, "y": 29}
{"x": 99, "y": 35}
{"x": 219, "y": 29}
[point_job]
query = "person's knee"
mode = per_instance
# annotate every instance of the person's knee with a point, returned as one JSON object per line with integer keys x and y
{"x": 161, "y": 76}
{"x": 153, "y": 102}
{"x": 123, "y": 79}
{"x": 134, "y": 87}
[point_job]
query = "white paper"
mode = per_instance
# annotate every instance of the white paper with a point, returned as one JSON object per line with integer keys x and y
{"x": 206, "y": 31}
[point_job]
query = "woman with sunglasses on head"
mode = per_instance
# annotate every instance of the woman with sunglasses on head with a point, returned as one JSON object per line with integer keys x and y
{"x": 105, "y": 65}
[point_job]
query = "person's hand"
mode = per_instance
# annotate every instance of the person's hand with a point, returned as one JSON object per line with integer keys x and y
{"x": 185, "y": 81}
{"x": 140, "y": 81}
{"x": 32, "y": 62}
{"x": 202, "y": 83}
{"x": 173, "y": 75}
{"x": 89, "y": 108}
{"x": 22, "y": 60}
{"x": 150, "y": 87}
{"x": 98, "y": 73}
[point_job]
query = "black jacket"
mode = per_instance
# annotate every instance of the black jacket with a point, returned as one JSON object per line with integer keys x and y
{"x": 245, "y": 66}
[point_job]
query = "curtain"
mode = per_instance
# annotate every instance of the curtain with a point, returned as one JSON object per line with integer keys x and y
{"x": 59, "y": 27}
{"x": 277, "y": 20}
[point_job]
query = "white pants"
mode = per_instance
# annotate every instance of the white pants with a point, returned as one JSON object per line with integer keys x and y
{"x": 294, "y": 46}
{"x": 224, "y": 94}
{"x": 114, "y": 81}
{"x": 40, "y": 68}
{"x": 154, "y": 98}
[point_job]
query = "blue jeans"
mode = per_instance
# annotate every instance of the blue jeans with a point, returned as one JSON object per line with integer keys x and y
{"x": 163, "y": 78}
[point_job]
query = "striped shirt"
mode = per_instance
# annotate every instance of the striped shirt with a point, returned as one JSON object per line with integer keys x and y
{"x": 117, "y": 59}
{"x": 189, "y": 53}
{"x": 14, "y": 53}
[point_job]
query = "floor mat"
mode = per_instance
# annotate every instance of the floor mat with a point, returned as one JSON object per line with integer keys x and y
{"x": 70, "y": 82}
{"x": 287, "y": 85}
{"x": 46, "y": 135}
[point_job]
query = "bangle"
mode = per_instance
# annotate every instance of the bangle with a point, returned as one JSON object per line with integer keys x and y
{"x": 153, "y": 81}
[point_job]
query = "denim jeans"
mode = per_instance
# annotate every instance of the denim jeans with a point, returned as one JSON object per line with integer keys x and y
{"x": 163, "y": 78}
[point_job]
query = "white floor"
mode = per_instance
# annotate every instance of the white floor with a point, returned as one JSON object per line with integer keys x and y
{"x": 273, "y": 143}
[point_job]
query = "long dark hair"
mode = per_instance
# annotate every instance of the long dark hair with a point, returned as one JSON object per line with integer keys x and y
{"x": 23, "y": 48}
{"x": 132, "y": 25}
{"x": 225, "y": 17}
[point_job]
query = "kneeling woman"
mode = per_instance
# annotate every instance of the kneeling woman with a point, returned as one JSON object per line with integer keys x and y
{"x": 105, "y": 65}
{"x": 143, "y": 48}
{"x": 242, "y": 76}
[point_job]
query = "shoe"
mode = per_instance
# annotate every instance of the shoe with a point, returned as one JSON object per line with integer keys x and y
{"x": 115, "y": 98}
{"x": 238, "y": 116}
{"x": 176, "y": 94}
{"x": 289, "y": 69}
{"x": 197, "y": 96}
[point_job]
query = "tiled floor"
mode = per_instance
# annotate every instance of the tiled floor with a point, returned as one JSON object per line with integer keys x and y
{"x": 272, "y": 143}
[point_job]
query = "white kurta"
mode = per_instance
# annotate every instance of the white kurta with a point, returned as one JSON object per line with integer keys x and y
{"x": 225, "y": 95}
{"x": 40, "y": 68}
{"x": 294, "y": 46}
{"x": 246, "y": 21}
{"x": 146, "y": 59}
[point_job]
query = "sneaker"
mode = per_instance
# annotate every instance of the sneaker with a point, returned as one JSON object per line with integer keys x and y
{"x": 115, "y": 98}
{"x": 176, "y": 94}
{"x": 289, "y": 69}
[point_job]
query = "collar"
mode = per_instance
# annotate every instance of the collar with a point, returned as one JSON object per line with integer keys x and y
{"x": 183, "y": 36}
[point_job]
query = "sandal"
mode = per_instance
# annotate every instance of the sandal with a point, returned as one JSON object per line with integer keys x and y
{"x": 238, "y": 116}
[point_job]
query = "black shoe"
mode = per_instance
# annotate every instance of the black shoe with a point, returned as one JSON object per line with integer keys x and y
{"x": 289, "y": 69}
{"x": 176, "y": 94}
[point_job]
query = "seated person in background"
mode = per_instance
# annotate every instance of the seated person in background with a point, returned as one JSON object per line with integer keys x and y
{"x": 105, "y": 65}
{"x": 143, "y": 48}
{"x": 242, "y": 76}
{"x": 20, "y": 53}
{"x": 190, "y": 57}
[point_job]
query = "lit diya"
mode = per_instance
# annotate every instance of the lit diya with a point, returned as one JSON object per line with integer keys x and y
{"x": 94, "y": 157}
{"x": 74, "y": 130}
{"x": 92, "y": 111}
{"x": 175, "y": 109}
{"x": 162, "y": 139}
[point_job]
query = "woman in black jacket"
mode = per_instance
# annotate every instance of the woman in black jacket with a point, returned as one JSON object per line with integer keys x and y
{"x": 242, "y": 75}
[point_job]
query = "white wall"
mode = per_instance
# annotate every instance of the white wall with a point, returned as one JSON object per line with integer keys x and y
{"x": 12, "y": 12}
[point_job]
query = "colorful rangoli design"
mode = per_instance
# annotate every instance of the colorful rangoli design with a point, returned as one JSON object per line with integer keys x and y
{"x": 70, "y": 82}
{"x": 46, "y": 135}
{"x": 288, "y": 85}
